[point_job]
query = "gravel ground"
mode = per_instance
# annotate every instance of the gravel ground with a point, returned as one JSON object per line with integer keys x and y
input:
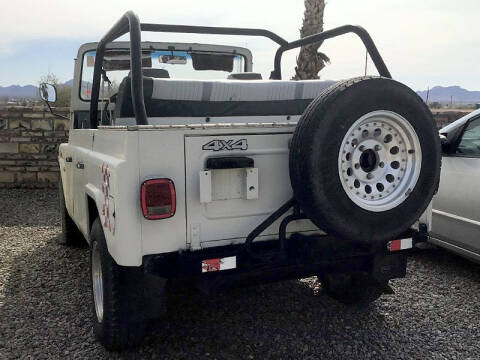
{"x": 45, "y": 313}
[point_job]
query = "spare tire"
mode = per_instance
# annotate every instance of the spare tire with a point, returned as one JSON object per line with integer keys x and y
{"x": 365, "y": 159}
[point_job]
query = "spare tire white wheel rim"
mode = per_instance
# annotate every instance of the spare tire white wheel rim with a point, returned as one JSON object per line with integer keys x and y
{"x": 379, "y": 160}
{"x": 97, "y": 281}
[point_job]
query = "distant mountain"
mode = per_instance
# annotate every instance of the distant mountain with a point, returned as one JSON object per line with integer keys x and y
{"x": 457, "y": 94}
{"x": 24, "y": 92}
{"x": 17, "y": 91}
{"x": 438, "y": 93}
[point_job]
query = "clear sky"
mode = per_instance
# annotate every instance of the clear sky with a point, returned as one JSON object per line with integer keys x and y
{"x": 424, "y": 43}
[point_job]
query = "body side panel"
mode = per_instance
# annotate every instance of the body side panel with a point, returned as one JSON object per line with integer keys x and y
{"x": 456, "y": 215}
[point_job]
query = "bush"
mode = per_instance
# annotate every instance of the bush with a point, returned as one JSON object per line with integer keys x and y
{"x": 63, "y": 96}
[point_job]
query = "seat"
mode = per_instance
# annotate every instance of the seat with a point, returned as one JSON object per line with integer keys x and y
{"x": 220, "y": 98}
{"x": 245, "y": 76}
{"x": 156, "y": 73}
{"x": 124, "y": 104}
{"x": 123, "y": 98}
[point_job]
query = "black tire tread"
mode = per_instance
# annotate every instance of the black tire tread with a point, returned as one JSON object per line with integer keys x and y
{"x": 70, "y": 235}
{"x": 121, "y": 328}
{"x": 357, "y": 289}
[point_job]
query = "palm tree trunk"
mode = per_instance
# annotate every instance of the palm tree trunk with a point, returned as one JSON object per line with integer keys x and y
{"x": 309, "y": 60}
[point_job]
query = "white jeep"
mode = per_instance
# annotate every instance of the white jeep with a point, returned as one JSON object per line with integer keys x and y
{"x": 236, "y": 179}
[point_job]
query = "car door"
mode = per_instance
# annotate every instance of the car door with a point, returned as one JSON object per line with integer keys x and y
{"x": 456, "y": 207}
{"x": 65, "y": 161}
{"x": 81, "y": 141}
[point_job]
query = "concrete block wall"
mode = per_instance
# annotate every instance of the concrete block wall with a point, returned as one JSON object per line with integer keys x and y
{"x": 29, "y": 140}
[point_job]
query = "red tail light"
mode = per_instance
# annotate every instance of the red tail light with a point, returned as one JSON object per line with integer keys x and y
{"x": 158, "y": 199}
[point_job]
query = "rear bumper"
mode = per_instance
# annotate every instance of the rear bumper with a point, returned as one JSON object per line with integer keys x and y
{"x": 303, "y": 256}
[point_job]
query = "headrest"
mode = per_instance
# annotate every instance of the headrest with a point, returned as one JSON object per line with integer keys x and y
{"x": 245, "y": 76}
{"x": 154, "y": 73}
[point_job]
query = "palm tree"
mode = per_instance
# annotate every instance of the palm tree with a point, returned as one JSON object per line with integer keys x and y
{"x": 310, "y": 61}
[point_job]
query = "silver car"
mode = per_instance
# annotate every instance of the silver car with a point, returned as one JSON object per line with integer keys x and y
{"x": 456, "y": 207}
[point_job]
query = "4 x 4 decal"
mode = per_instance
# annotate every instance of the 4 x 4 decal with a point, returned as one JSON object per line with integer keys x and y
{"x": 218, "y": 145}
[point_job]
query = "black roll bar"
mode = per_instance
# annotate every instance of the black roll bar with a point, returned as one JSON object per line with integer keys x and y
{"x": 214, "y": 30}
{"x": 358, "y": 30}
{"x": 129, "y": 22}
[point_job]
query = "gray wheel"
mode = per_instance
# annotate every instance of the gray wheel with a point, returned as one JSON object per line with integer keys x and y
{"x": 379, "y": 160}
{"x": 97, "y": 281}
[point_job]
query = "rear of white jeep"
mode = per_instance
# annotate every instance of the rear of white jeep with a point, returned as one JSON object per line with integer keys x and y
{"x": 233, "y": 181}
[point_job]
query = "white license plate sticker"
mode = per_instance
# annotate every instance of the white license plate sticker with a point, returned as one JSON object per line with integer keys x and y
{"x": 219, "y": 264}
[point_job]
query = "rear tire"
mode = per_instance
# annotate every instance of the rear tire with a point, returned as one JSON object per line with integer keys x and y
{"x": 358, "y": 289}
{"x": 70, "y": 235}
{"x": 118, "y": 307}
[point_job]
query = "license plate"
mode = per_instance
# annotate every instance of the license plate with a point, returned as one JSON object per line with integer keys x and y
{"x": 226, "y": 263}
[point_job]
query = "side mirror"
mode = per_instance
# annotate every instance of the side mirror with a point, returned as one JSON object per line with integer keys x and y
{"x": 47, "y": 92}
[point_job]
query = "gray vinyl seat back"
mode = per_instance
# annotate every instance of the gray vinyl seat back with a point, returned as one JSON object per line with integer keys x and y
{"x": 221, "y": 98}
{"x": 123, "y": 102}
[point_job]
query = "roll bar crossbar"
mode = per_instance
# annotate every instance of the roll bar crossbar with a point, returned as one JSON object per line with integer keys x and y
{"x": 130, "y": 23}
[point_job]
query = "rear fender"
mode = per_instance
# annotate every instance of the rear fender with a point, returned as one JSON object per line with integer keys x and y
{"x": 117, "y": 208}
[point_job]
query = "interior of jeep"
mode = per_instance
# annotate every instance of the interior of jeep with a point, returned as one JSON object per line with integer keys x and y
{"x": 161, "y": 64}
{"x": 192, "y": 84}
{"x": 182, "y": 93}
{"x": 115, "y": 90}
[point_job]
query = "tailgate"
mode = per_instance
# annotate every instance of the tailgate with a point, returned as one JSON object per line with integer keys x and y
{"x": 225, "y": 200}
